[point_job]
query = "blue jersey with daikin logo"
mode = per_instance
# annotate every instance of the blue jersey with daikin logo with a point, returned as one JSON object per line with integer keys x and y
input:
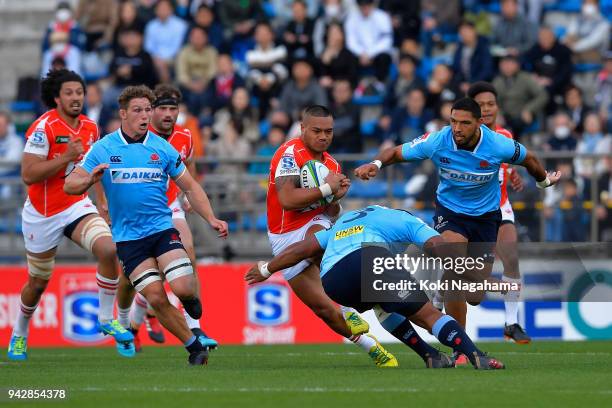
{"x": 469, "y": 181}
{"x": 136, "y": 182}
{"x": 373, "y": 225}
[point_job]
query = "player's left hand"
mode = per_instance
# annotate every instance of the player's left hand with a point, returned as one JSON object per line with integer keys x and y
{"x": 254, "y": 275}
{"x": 516, "y": 181}
{"x": 103, "y": 210}
{"x": 553, "y": 177}
{"x": 186, "y": 205}
{"x": 345, "y": 184}
{"x": 220, "y": 226}
{"x": 366, "y": 171}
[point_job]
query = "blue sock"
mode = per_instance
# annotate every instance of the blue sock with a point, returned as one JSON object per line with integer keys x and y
{"x": 192, "y": 345}
{"x": 449, "y": 333}
{"x": 401, "y": 328}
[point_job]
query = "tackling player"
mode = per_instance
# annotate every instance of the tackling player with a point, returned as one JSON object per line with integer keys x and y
{"x": 485, "y": 96}
{"x": 468, "y": 156}
{"x": 163, "y": 123}
{"x": 135, "y": 183}
{"x": 55, "y": 142}
{"x": 289, "y": 222}
{"x": 358, "y": 239}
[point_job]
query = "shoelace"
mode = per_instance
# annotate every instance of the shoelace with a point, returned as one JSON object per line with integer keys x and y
{"x": 116, "y": 326}
{"x": 380, "y": 356}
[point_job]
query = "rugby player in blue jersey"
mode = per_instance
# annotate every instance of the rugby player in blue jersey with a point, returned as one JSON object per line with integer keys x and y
{"x": 134, "y": 166}
{"x": 350, "y": 250}
{"x": 468, "y": 155}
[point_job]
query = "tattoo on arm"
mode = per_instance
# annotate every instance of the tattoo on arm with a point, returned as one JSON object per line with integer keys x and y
{"x": 281, "y": 181}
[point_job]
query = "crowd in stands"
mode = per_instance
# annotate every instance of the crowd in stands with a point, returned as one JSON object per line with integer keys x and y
{"x": 388, "y": 69}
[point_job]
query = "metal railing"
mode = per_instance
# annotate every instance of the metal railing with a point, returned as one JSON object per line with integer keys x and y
{"x": 239, "y": 196}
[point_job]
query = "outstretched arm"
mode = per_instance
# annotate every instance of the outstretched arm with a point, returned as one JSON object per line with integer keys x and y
{"x": 290, "y": 256}
{"x": 79, "y": 181}
{"x": 387, "y": 157}
{"x": 537, "y": 171}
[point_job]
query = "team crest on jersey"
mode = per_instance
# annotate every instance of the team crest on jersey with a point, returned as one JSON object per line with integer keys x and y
{"x": 115, "y": 159}
{"x": 155, "y": 159}
{"x": 484, "y": 165}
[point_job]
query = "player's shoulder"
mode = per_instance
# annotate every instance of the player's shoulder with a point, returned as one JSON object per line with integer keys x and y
{"x": 181, "y": 131}
{"x": 431, "y": 138}
{"x": 87, "y": 122}
{"x": 41, "y": 122}
{"x": 504, "y": 132}
{"x": 287, "y": 148}
{"x": 330, "y": 161}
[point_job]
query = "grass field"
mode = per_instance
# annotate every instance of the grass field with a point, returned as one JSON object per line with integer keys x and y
{"x": 552, "y": 374}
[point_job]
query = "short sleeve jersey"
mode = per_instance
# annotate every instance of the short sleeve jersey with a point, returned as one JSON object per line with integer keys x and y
{"x": 136, "y": 182}
{"x": 48, "y": 137}
{"x": 504, "y": 169}
{"x": 371, "y": 225}
{"x": 469, "y": 180}
{"x": 181, "y": 140}
{"x": 287, "y": 161}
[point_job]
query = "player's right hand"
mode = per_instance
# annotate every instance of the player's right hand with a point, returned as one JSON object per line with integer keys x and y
{"x": 74, "y": 149}
{"x": 254, "y": 275}
{"x": 335, "y": 181}
{"x": 553, "y": 177}
{"x": 220, "y": 226}
{"x": 98, "y": 172}
{"x": 366, "y": 171}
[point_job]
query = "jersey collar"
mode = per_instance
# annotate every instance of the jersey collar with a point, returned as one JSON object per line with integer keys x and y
{"x": 127, "y": 140}
{"x": 482, "y": 136}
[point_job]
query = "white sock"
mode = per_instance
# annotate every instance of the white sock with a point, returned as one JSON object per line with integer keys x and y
{"x": 23, "y": 319}
{"x": 107, "y": 289}
{"x": 191, "y": 322}
{"x": 363, "y": 341}
{"x": 124, "y": 317}
{"x": 511, "y": 302}
{"x": 139, "y": 310}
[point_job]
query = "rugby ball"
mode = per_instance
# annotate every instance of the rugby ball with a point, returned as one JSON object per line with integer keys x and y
{"x": 312, "y": 175}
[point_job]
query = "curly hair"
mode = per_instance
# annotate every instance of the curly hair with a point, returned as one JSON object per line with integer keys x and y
{"x": 51, "y": 85}
{"x": 135, "y": 92}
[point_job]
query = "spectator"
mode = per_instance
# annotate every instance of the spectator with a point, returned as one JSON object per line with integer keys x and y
{"x": 472, "y": 61}
{"x": 336, "y": 61}
{"x": 409, "y": 119}
{"x": 164, "y": 37}
{"x": 588, "y": 35}
{"x": 283, "y": 10}
{"x": 573, "y": 216}
{"x": 205, "y": 18}
{"x": 438, "y": 17}
{"x": 128, "y": 18}
{"x": 11, "y": 149}
{"x": 222, "y": 85}
{"x": 196, "y": 65}
{"x": 441, "y": 88}
{"x": 276, "y": 137}
{"x": 130, "y": 66}
{"x": 334, "y": 11}
{"x": 405, "y": 81}
{"x": 64, "y": 22}
{"x": 239, "y": 17}
{"x": 347, "y": 137}
{"x": 562, "y": 137}
{"x": 520, "y": 97}
{"x": 266, "y": 69}
{"x": 551, "y": 64}
{"x": 513, "y": 34}
{"x": 369, "y": 36}
{"x": 603, "y": 97}
{"x": 98, "y": 19}
{"x": 302, "y": 90}
{"x": 62, "y": 49}
{"x": 574, "y": 104}
{"x": 94, "y": 108}
{"x": 146, "y": 10}
{"x": 230, "y": 145}
{"x": 405, "y": 18}
{"x": 242, "y": 114}
{"x": 592, "y": 141}
{"x": 189, "y": 121}
{"x": 297, "y": 35}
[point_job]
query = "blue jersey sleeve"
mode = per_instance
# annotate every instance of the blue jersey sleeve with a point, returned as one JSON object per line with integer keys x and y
{"x": 420, "y": 148}
{"x": 174, "y": 164}
{"x": 323, "y": 237}
{"x": 511, "y": 151}
{"x": 415, "y": 230}
{"x": 93, "y": 157}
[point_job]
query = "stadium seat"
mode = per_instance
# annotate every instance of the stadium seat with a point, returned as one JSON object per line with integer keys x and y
{"x": 399, "y": 189}
{"x": 368, "y": 100}
{"x": 587, "y": 67}
{"x": 368, "y": 127}
{"x": 261, "y": 224}
{"x": 23, "y": 106}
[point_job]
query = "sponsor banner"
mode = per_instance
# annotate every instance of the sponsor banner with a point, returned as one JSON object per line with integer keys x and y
{"x": 234, "y": 313}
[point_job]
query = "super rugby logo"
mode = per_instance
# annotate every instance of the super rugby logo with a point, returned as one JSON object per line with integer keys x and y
{"x": 136, "y": 175}
{"x": 474, "y": 178}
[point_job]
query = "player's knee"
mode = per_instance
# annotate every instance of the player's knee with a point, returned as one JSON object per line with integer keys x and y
{"x": 158, "y": 301}
{"x": 40, "y": 269}
{"x": 91, "y": 238}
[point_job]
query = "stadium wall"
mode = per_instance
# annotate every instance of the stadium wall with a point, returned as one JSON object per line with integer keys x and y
{"x": 235, "y": 313}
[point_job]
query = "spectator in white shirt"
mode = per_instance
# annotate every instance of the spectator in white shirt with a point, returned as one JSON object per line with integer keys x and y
{"x": 164, "y": 37}
{"x": 11, "y": 149}
{"x": 588, "y": 35}
{"x": 369, "y": 35}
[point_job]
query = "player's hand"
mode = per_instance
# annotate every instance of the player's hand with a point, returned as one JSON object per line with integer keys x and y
{"x": 103, "y": 210}
{"x": 98, "y": 172}
{"x": 254, "y": 275}
{"x": 554, "y": 177}
{"x": 335, "y": 181}
{"x": 186, "y": 205}
{"x": 219, "y": 226}
{"x": 345, "y": 184}
{"x": 74, "y": 149}
{"x": 366, "y": 171}
{"x": 516, "y": 181}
